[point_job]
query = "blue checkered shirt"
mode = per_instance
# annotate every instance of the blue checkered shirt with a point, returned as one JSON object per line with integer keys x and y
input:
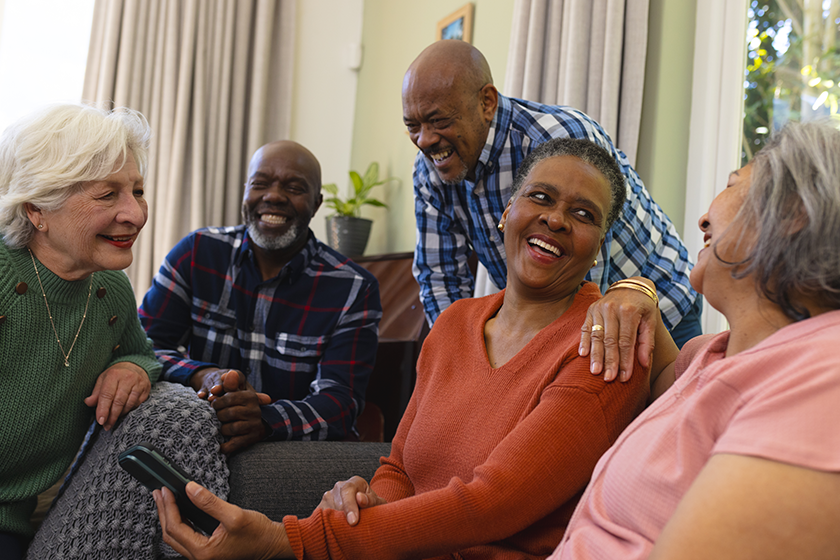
{"x": 307, "y": 337}
{"x": 454, "y": 221}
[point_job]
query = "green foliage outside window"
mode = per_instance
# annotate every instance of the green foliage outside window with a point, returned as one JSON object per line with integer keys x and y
{"x": 793, "y": 66}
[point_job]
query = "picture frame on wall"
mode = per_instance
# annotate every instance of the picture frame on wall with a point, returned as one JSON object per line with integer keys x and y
{"x": 457, "y": 25}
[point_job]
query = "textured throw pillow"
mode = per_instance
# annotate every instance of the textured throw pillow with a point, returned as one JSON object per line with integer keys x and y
{"x": 104, "y": 513}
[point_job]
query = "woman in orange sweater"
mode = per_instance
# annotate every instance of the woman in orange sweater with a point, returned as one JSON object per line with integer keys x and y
{"x": 506, "y": 422}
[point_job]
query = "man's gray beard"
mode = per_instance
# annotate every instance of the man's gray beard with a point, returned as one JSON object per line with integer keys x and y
{"x": 273, "y": 243}
{"x": 458, "y": 178}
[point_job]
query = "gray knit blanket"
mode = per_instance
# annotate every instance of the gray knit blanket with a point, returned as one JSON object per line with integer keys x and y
{"x": 101, "y": 511}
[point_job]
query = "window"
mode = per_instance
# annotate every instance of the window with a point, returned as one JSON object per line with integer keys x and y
{"x": 793, "y": 66}
{"x": 43, "y": 53}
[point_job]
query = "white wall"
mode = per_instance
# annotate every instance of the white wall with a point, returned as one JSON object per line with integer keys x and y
{"x": 324, "y": 99}
{"x": 663, "y": 140}
{"x": 394, "y": 34}
{"x": 43, "y": 52}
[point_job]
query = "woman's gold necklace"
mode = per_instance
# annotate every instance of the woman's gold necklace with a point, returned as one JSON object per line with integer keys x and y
{"x": 43, "y": 293}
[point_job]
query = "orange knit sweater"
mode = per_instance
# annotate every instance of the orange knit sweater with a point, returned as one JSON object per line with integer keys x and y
{"x": 486, "y": 463}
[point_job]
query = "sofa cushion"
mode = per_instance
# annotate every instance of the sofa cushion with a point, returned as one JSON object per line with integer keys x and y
{"x": 290, "y": 477}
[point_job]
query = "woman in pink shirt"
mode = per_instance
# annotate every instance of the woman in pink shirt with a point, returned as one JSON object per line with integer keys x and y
{"x": 740, "y": 457}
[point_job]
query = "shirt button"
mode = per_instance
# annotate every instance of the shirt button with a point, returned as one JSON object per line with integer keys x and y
{"x": 21, "y": 288}
{"x": 100, "y": 293}
{"x": 112, "y": 320}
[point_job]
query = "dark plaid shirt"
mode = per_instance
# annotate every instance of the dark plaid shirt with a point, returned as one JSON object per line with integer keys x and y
{"x": 307, "y": 337}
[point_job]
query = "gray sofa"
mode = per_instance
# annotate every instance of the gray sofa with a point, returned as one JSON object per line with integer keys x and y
{"x": 289, "y": 478}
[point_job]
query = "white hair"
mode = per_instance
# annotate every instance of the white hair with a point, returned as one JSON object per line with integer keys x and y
{"x": 46, "y": 155}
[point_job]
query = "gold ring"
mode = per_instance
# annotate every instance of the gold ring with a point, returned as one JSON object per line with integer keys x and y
{"x": 597, "y": 328}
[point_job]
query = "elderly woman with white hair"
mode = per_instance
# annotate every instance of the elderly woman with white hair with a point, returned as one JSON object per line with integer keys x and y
{"x": 71, "y": 345}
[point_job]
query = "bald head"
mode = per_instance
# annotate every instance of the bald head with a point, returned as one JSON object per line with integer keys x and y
{"x": 449, "y": 102}
{"x": 453, "y": 61}
{"x": 288, "y": 153}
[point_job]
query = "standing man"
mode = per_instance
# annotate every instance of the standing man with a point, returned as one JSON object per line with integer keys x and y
{"x": 472, "y": 140}
{"x": 276, "y": 328}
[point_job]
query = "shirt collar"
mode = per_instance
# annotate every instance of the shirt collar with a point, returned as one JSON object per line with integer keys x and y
{"x": 496, "y": 139}
{"x": 293, "y": 269}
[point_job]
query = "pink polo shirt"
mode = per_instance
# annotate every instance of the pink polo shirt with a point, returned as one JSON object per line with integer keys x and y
{"x": 779, "y": 400}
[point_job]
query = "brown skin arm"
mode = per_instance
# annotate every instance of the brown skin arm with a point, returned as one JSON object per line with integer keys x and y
{"x": 632, "y": 324}
{"x": 664, "y": 357}
{"x": 742, "y": 507}
{"x": 240, "y": 534}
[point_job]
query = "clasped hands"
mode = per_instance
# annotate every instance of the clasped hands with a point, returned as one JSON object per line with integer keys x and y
{"x": 237, "y": 405}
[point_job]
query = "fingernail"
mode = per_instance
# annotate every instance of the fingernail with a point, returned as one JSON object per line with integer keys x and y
{"x": 351, "y": 518}
{"x": 193, "y": 488}
{"x": 622, "y": 376}
{"x": 101, "y": 420}
{"x": 580, "y": 350}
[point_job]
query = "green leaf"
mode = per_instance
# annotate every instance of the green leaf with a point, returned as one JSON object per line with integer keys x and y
{"x": 358, "y": 185}
{"x": 372, "y": 174}
{"x": 374, "y": 202}
{"x": 361, "y": 190}
{"x": 346, "y": 209}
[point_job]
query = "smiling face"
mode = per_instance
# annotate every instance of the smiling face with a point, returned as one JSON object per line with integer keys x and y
{"x": 555, "y": 225}
{"x": 710, "y": 276}
{"x": 282, "y": 194}
{"x": 95, "y": 228}
{"x": 447, "y": 120}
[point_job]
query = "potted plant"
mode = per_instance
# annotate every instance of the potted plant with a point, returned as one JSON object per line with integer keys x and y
{"x": 347, "y": 231}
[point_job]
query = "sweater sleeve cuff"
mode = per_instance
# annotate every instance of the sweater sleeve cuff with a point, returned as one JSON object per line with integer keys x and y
{"x": 292, "y": 526}
{"x": 149, "y": 364}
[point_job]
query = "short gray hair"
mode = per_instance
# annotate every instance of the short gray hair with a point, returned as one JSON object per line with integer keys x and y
{"x": 587, "y": 151}
{"x": 45, "y": 155}
{"x": 793, "y": 206}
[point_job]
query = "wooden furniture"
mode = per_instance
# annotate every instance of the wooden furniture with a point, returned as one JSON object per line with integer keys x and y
{"x": 401, "y": 333}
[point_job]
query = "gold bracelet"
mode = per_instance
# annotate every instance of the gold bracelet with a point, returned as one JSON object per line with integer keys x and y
{"x": 635, "y": 285}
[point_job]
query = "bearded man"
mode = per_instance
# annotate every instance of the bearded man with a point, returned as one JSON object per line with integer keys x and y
{"x": 278, "y": 330}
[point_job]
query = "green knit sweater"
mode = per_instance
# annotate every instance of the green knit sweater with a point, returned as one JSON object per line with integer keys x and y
{"x": 43, "y": 417}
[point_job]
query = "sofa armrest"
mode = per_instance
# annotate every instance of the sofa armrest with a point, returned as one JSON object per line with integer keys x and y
{"x": 290, "y": 477}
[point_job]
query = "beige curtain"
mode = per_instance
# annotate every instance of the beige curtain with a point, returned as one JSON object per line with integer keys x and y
{"x": 214, "y": 79}
{"x": 588, "y": 54}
